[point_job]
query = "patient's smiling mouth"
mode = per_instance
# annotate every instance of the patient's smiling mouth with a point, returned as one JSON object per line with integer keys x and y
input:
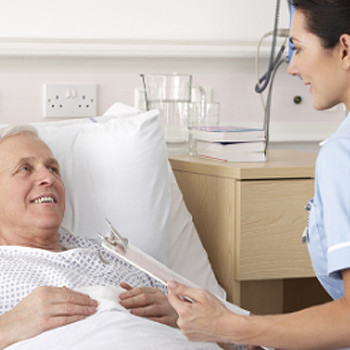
{"x": 44, "y": 199}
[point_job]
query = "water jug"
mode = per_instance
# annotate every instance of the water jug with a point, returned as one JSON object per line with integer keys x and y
{"x": 171, "y": 95}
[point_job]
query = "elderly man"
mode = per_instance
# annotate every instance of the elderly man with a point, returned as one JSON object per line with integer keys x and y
{"x": 40, "y": 268}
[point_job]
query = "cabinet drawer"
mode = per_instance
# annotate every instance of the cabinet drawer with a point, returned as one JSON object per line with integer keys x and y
{"x": 269, "y": 223}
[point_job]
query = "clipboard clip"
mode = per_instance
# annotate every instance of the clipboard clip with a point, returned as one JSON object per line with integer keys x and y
{"x": 114, "y": 238}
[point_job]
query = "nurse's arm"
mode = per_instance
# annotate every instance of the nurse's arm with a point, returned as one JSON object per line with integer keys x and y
{"x": 320, "y": 327}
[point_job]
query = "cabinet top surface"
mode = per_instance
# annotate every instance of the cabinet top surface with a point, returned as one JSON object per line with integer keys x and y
{"x": 280, "y": 164}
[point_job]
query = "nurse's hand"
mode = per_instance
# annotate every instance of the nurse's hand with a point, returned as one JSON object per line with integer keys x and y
{"x": 203, "y": 320}
{"x": 148, "y": 302}
{"x": 43, "y": 309}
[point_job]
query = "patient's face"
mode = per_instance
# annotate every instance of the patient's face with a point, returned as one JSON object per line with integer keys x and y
{"x": 32, "y": 198}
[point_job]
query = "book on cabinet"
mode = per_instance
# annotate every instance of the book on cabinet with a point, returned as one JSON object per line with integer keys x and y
{"x": 232, "y": 152}
{"x": 228, "y": 134}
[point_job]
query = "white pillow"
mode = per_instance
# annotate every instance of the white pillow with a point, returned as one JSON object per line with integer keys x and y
{"x": 112, "y": 170}
{"x": 116, "y": 167}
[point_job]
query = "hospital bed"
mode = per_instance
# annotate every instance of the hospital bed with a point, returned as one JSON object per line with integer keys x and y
{"x": 116, "y": 167}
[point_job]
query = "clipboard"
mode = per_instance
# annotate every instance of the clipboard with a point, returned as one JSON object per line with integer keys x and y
{"x": 117, "y": 244}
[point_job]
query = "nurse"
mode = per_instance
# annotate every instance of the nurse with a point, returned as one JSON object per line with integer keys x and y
{"x": 320, "y": 34}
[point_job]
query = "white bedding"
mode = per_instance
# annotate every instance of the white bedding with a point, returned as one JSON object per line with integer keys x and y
{"x": 111, "y": 329}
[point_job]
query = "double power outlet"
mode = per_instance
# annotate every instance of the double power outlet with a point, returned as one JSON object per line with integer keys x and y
{"x": 69, "y": 100}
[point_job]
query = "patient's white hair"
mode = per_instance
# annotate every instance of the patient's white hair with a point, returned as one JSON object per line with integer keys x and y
{"x": 13, "y": 130}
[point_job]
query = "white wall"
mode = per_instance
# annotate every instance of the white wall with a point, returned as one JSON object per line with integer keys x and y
{"x": 111, "y": 42}
{"x": 139, "y": 19}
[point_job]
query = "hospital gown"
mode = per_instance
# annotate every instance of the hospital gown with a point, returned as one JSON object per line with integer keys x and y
{"x": 83, "y": 263}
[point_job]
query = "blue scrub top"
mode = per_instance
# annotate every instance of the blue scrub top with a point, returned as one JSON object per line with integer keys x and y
{"x": 328, "y": 234}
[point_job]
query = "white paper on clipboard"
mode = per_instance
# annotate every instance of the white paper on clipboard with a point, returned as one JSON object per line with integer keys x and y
{"x": 146, "y": 263}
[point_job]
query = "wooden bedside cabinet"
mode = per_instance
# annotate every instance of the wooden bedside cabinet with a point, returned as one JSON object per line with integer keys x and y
{"x": 250, "y": 218}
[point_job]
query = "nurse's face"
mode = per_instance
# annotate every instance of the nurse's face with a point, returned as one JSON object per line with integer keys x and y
{"x": 319, "y": 68}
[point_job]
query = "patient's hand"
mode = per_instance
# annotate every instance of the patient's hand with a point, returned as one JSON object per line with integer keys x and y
{"x": 148, "y": 302}
{"x": 43, "y": 309}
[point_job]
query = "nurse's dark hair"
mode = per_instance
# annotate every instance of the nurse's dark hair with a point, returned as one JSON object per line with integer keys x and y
{"x": 328, "y": 19}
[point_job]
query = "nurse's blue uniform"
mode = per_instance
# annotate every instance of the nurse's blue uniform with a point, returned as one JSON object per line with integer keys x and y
{"x": 328, "y": 233}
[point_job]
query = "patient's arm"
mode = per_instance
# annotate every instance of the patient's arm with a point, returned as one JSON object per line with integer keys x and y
{"x": 43, "y": 309}
{"x": 150, "y": 303}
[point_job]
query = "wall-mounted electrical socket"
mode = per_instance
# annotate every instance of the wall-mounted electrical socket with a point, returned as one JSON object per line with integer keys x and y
{"x": 68, "y": 100}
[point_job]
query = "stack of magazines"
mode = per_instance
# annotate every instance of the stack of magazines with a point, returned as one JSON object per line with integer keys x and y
{"x": 230, "y": 143}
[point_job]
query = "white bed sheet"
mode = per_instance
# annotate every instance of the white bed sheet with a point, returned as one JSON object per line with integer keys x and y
{"x": 111, "y": 329}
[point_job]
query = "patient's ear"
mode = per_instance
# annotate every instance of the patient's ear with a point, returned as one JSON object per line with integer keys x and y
{"x": 344, "y": 51}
